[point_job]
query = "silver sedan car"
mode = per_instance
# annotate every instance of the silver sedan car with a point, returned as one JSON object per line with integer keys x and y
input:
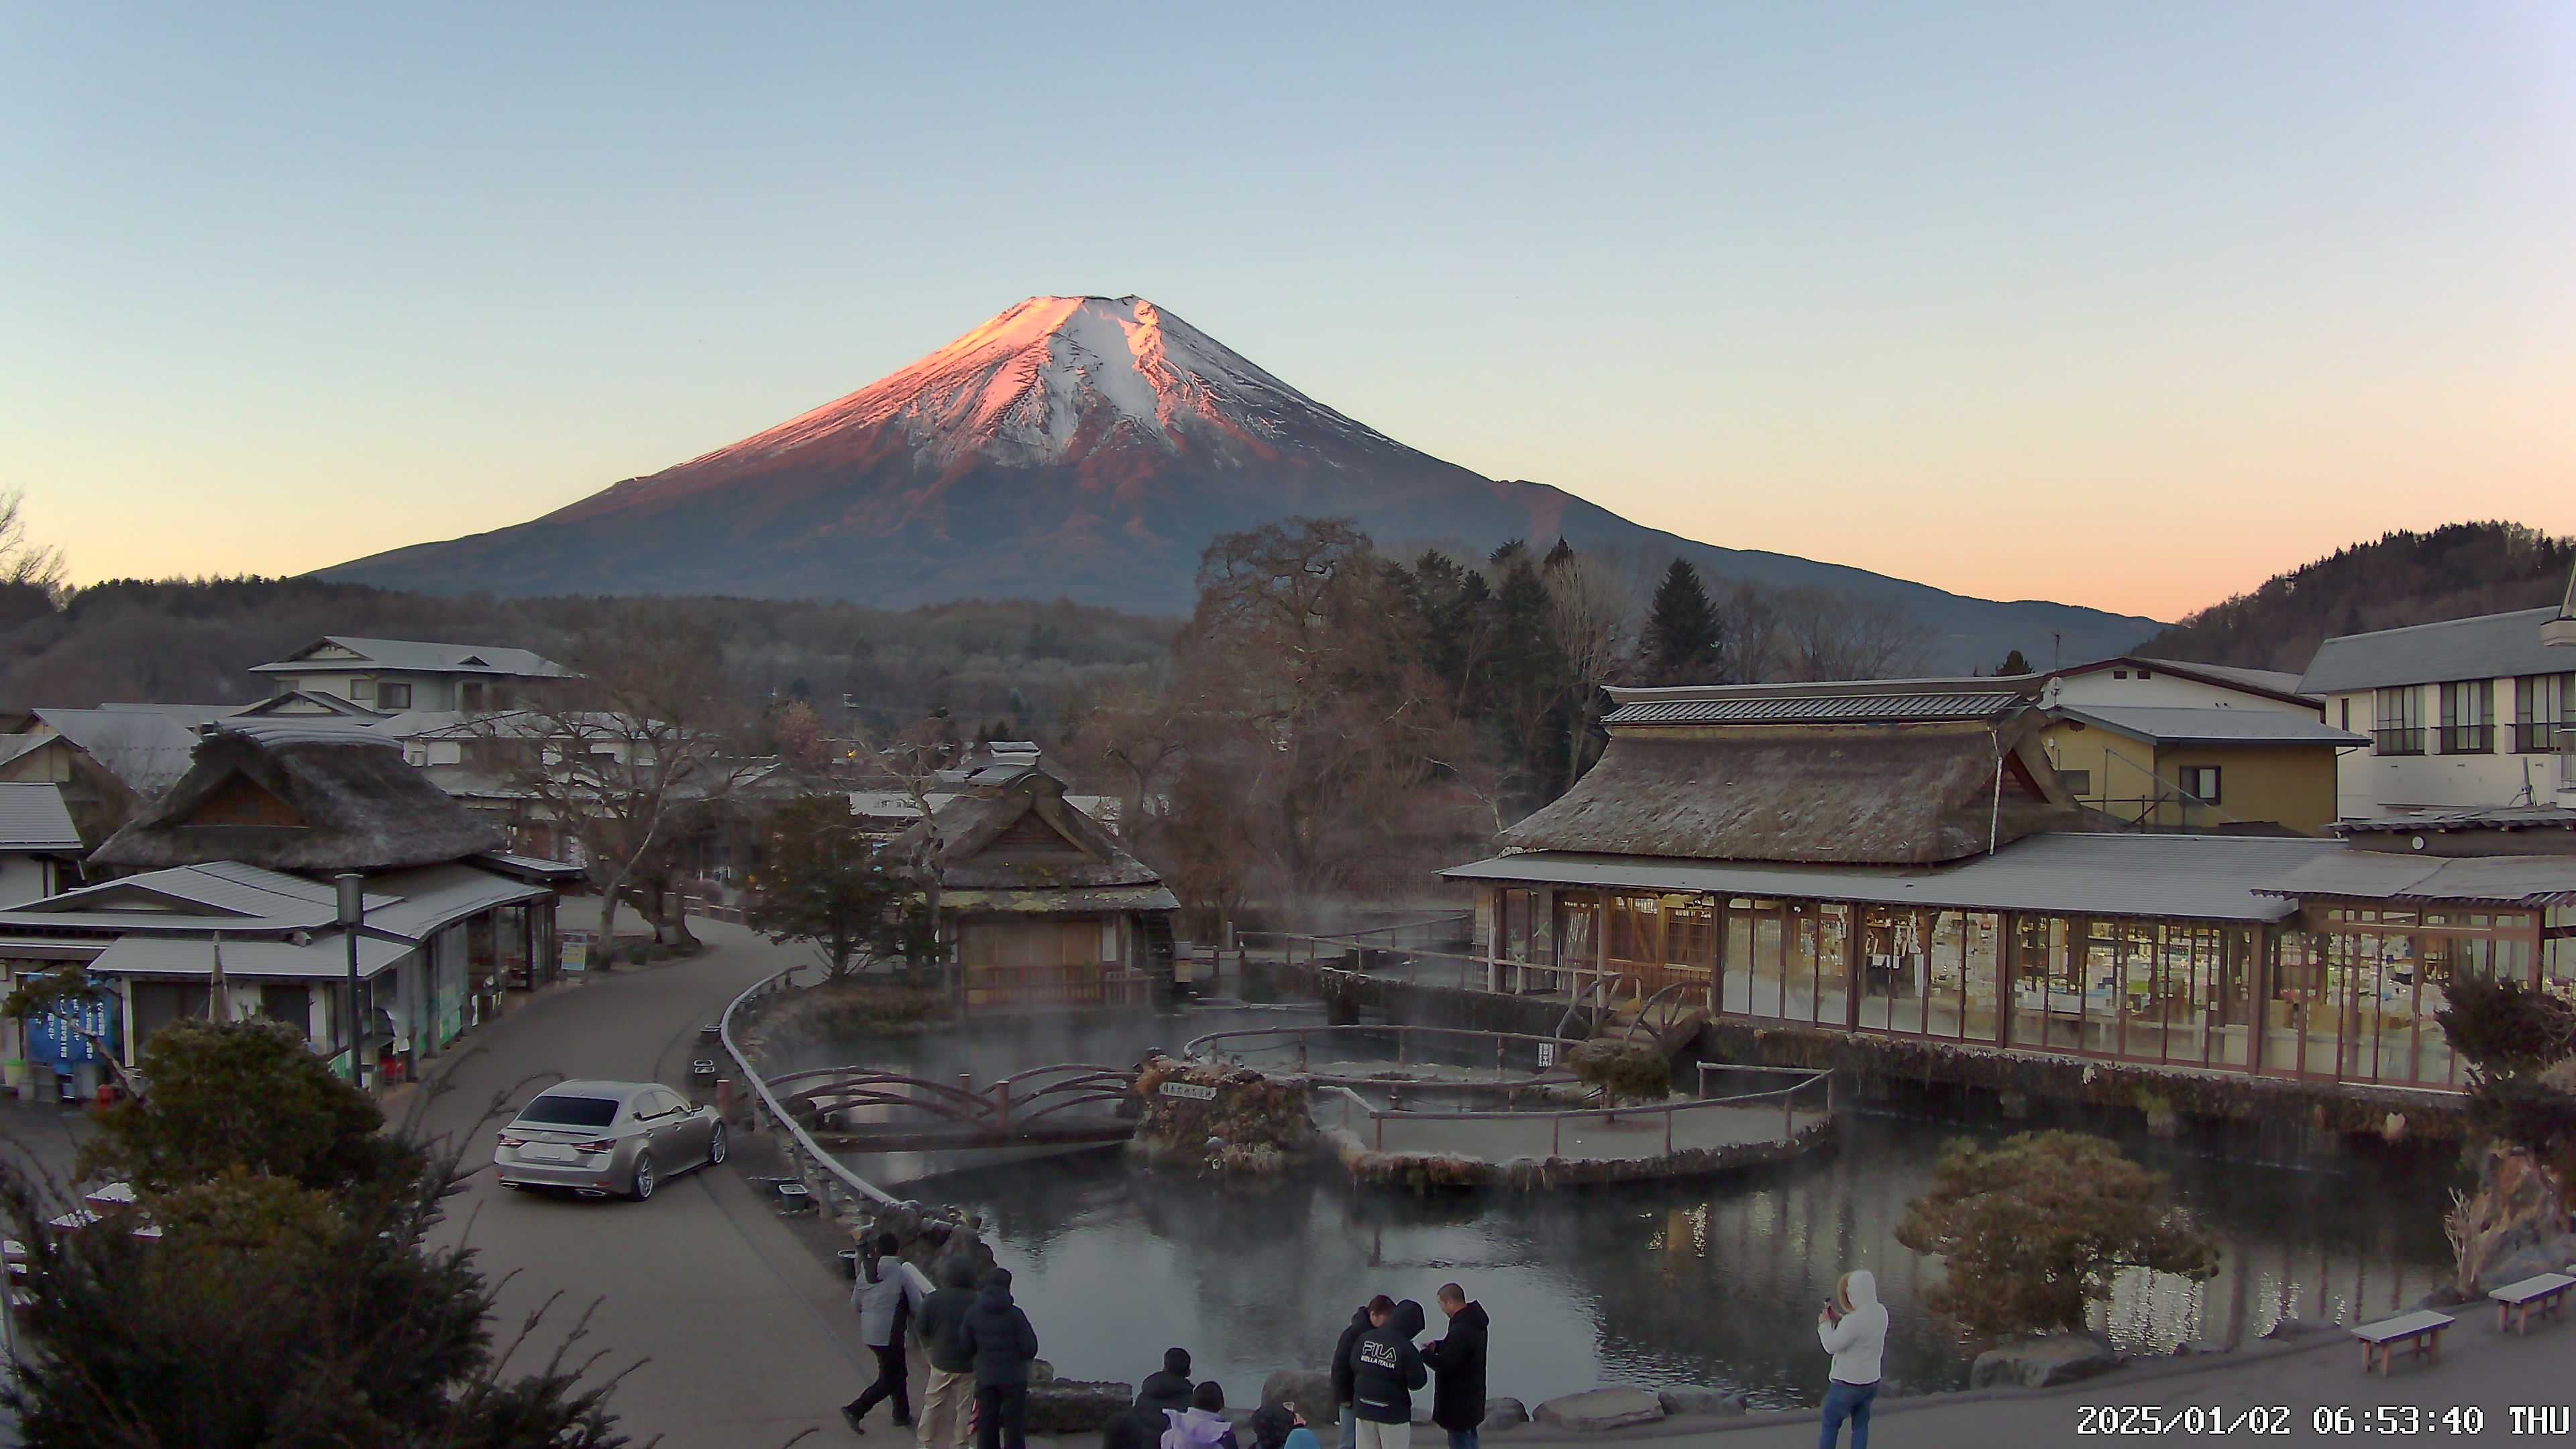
{"x": 602, "y": 1137}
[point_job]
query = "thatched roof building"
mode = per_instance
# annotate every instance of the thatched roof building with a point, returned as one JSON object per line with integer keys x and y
{"x": 1889, "y": 775}
{"x": 317, "y": 800}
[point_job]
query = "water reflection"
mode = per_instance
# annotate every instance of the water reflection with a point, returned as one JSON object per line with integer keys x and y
{"x": 1713, "y": 1282}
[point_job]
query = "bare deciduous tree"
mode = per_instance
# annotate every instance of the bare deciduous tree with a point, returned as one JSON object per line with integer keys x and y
{"x": 25, "y": 564}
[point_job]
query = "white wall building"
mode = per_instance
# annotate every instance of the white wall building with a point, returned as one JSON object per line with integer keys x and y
{"x": 2133, "y": 682}
{"x": 2468, "y": 714}
{"x": 390, "y": 676}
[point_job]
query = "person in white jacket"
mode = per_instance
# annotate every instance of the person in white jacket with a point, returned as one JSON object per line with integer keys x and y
{"x": 886, "y": 1299}
{"x": 1853, "y": 1328}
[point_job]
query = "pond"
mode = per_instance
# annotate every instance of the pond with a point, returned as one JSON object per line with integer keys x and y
{"x": 1713, "y": 1281}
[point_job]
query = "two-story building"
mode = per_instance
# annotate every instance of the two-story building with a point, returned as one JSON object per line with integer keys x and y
{"x": 2463, "y": 716}
{"x": 2159, "y": 744}
{"x": 390, "y": 676}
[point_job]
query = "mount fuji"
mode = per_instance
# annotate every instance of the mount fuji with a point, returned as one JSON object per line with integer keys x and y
{"x": 1088, "y": 448}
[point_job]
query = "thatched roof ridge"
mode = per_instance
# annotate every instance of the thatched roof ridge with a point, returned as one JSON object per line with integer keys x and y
{"x": 974, "y": 855}
{"x": 363, "y": 807}
{"x": 1865, "y": 795}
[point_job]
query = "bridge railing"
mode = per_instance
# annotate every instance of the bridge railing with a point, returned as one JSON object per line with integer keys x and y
{"x": 1814, "y": 1089}
{"x": 1413, "y": 1045}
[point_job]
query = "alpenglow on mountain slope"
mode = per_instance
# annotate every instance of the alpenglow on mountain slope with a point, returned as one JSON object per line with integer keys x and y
{"x": 1088, "y": 448}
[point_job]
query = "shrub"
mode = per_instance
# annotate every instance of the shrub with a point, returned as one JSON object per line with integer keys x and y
{"x": 2035, "y": 1228}
{"x": 1627, "y": 1071}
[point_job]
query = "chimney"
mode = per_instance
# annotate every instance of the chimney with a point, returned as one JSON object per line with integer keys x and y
{"x": 2560, "y": 633}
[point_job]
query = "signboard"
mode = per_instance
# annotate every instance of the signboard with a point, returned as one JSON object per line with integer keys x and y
{"x": 576, "y": 951}
{"x": 1191, "y": 1090}
{"x": 62, "y": 1035}
{"x": 1546, "y": 1055}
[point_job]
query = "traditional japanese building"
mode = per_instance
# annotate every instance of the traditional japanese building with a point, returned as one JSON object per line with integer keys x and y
{"x": 1043, "y": 905}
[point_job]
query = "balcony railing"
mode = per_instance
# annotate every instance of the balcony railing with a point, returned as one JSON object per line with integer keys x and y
{"x": 2539, "y": 736}
{"x": 2468, "y": 739}
{"x": 2398, "y": 741}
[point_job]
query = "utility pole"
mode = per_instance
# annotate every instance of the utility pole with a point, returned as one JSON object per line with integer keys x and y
{"x": 353, "y": 914}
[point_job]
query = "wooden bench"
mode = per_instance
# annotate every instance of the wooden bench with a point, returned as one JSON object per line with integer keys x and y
{"x": 2418, "y": 1333}
{"x": 2515, "y": 1302}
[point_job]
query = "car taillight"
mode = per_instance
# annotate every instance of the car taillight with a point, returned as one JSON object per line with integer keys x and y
{"x": 509, "y": 1141}
{"x": 604, "y": 1144}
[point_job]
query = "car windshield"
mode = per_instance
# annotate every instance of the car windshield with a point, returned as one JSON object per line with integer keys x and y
{"x": 570, "y": 1111}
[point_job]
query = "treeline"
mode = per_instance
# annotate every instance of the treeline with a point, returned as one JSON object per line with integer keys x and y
{"x": 193, "y": 641}
{"x": 1336, "y": 725}
{"x": 2403, "y": 577}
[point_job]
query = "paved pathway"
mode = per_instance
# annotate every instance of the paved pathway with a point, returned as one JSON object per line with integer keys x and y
{"x": 747, "y": 1337}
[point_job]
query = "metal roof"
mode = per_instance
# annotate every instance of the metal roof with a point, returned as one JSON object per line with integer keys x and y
{"x": 2174, "y": 725}
{"x": 2496, "y": 817}
{"x": 1819, "y": 708}
{"x": 2532, "y": 881}
{"x": 289, "y": 729}
{"x": 227, "y": 895}
{"x": 2489, "y": 646}
{"x": 2179, "y": 877}
{"x": 435, "y": 896}
{"x": 32, "y": 818}
{"x": 325, "y": 958}
{"x": 146, "y": 750}
{"x": 2269, "y": 681}
{"x": 418, "y": 655}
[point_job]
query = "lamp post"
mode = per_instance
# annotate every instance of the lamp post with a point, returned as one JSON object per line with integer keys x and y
{"x": 353, "y": 914}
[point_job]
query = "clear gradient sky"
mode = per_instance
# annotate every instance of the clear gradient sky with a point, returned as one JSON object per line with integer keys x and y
{"x": 2125, "y": 306}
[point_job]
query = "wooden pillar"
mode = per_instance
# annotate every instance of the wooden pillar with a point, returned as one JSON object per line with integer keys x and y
{"x": 1717, "y": 956}
{"x": 1497, "y": 903}
{"x": 2261, "y": 977}
{"x": 1855, "y": 963}
{"x": 1600, "y": 943}
{"x": 2007, "y": 956}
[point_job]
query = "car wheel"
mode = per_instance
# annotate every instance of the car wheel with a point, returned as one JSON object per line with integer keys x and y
{"x": 643, "y": 1188}
{"x": 715, "y": 1144}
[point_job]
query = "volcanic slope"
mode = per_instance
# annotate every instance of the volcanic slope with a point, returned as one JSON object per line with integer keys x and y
{"x": 1088, "y": 448}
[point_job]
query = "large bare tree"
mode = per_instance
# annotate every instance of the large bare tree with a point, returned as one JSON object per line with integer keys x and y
{"x": 625, "y": 756}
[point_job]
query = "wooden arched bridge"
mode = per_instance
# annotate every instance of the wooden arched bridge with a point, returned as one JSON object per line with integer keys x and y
{"x": 859, "y": 1109}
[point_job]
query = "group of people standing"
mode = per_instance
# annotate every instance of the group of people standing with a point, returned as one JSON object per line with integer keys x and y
{"x": 1376, "y": 1368}
{"x": 979, "y": 1343}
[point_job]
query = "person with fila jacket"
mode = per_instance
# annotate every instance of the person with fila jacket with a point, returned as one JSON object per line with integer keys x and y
{"x": 1385, "y": 1370}
{"x": 1853, "y": 1328}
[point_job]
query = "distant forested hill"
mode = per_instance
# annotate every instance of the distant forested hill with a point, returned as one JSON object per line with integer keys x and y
{"x": 2401, "y": 578}
{"x": 191, "y": 641}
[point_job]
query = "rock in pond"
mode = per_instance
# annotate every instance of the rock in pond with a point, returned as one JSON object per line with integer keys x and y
{"x": 1311, "y": 1392}
{"x": 1595, "y": 1410}
{"x": 2302, "y": 1328}
{"x": 2036, "y": 1363}
{"x": 1076, "y": 1406}
{"x": 1504, "y": 1413}
{"x": 1698, "y": 1399}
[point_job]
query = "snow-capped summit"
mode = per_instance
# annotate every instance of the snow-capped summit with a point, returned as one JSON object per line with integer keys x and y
{"x": 1084, "y": 448}
{"x": 1052, "y": 381}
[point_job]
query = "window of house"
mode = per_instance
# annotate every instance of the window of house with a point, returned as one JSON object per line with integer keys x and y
{"x": 2077, "y": 782}
{"x": 2543, "y": 704}
{"x": 2468, "y": 717}
{"x": 2397, "y": 721}
{"x": 393, "y": 696}
{"x": 361, "y": 689}
{"x": 2344, "y": 708}
{"x": 2201, "y": 783}
{"x": 469, "y": 695}
{"x": 2119, "y": 674}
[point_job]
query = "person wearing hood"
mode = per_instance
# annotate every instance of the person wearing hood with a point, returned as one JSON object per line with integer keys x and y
{"x": 995, "y": 1335}
{"x": 1853, "y": 1328}
{"x": 948, "y": 1400}
{"x": 1203, "y": 1425}
{"x": 1458, "y": 1399}
{"x": 1350, "y": 1425}
{"x": 1385, "y": 1370}
{"x": 885, "y": 1298}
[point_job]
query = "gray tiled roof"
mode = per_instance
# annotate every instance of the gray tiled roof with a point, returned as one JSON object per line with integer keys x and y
{"x": 2490, "y": 646}
{"x": 2182, "y": 726}
{"x": 2277, "y": 681}
{"x": 2184, "y": 877}
{"x": 2484, "y": 817}
{"x": 414, "y": 654}
{"x": 1819, "y": 708}
{"x": 32, "y": 817}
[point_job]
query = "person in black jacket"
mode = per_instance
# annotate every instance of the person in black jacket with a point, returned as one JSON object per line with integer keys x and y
{"x": 1458, "y": 1400}
{"x": 996, "y": 1335}
{"x": 1141, "y": 1425}
{"x": 1385, "y": 1370}
{"x": 1342, "y": 1376}
{"x": 946, "y": 1405}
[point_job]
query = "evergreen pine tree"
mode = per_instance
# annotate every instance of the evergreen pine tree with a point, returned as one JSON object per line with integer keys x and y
{"x": 1681, "y": 629}
{"x": 2013, "y": 663}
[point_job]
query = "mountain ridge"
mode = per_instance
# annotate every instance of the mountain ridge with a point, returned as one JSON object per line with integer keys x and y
{"x": 1089, "y": 447}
